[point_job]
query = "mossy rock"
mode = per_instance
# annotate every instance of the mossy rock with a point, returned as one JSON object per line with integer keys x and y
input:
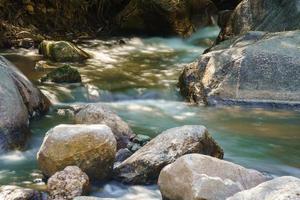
{"x": 62, "y": 51}
{"x": 64, "y": 74}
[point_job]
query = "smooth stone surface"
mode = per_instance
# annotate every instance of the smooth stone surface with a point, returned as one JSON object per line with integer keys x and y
{"x": 20, "y": 100}
{"x": 99, "y": 114}
{"x": 196, "y": 176}
{"x": 11, "y": 192}
{"x": 144, "y": 166}
{"x": 257, "y": 68}
{"x": 67, "y": 184}
{"x": 90, "y": 147}
{"x": 282, "y": 188}
{"x": 62, "y": 51}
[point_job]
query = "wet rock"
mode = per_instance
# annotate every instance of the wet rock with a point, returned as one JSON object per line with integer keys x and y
{"x": 62, "y": 51}
{"x": 122, "y": 155}
{"x": 196, "y": 176}
{"x": 67, "y": 184}
{"x": 286, "y": 187}
{"x": 20, "y": 100}
{"x": 257, "y": 68}
{"x": 144, "y": 166}
{"x": 10, "y": 192}
{"x": 90, "y": 147}
{"x": 262, "y": 15}
{"x": 141, "y": 139}
{"x": 133, "y": 147}
{"x": 175, "y": 17}
{"x": 64, "y": 74}
{"x": 99, "y": 114}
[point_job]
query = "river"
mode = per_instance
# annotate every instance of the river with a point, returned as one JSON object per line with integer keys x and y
{"x": 138, "y": 80}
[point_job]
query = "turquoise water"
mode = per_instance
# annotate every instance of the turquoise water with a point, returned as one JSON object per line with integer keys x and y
{"x": 138, "y": 81}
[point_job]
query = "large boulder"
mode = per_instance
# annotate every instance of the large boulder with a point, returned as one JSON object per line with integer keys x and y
{"x": 64, "y": 74}
{"x": 257, "y": 68}
{"x": 144, "y": 166}
{"x": 68, "y": 184}
{"x": 196, "y": 176}
{"x": 90, "y": 147}
{"x": 262, "y": 15}
{"x": 62, "y": 51}
{"x": 11, "y": 192}
{"x": 20, "y": 100}
{"x": 176, "y": 17}
{"x": 99, "y": 114}
{"x": 282, "y": 188}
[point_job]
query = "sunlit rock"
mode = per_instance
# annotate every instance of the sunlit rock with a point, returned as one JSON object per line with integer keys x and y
{"x": 10, "y": 192}
{"x": 99, "y": 114}
{"x": 282, "y": 188}
{"x": 62, "y": 51}
{"x": 90, "y": 147}
{"x": 67, "y": 184}
{"x": 20, "y": 100}
{"x": 253, "y": 69}
{"x": 196, "y": 176}
{"x": 144, "y": 166}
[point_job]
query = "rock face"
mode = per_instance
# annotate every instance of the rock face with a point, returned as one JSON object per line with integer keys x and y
{"x": 90, "y": 147}
{"x": 263, "y": 15}
{"x": 175, "y": 17}
{"x": 67, "y": 184}
{"x": 196, "y": 176}
{"x": 144, "y": 166}
{"x": 98, "y": 114}
{"x": 64, "y": 74}
{"x": 20, "y": 100}
{"x": 10, "y": 192}
{"x": 257, "y": 68}
{"x": 62, "y": 51}
{"x": 282, "y": 188}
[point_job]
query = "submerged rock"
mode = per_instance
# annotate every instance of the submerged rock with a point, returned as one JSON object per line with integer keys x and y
{"x": 90, "y": 147}
{"x": 262, "y": 15}
{"x": 99, "y": 114}
{"x": 10, "y": 192}
{"x": 196, "y": 176}
{"x": 62, "y": 51}
{"x": 20, "y": 100}
{"x": 175, "y": 17}
{"x": 144, "y": 166}
{"x": 257, "y": 68}
{"x": 64, "y": 74}
{"x": 282, "y": 188}
{"x": 67, "y": 184}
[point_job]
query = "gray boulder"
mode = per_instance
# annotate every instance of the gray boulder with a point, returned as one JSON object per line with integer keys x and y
{"x": 20, "y": 100}
{"x": 282, "y": 188}
{"x": 11, "y": 192}
{"x": 196, "y": 176}
{"x": 99, "y": 114}
{"x": 257, "y": 68}
{"x": 90, "y": 147}
{"x": 62, "y": 51}
{"x": 67, "y": 184}
{"x": 144, "y": 166}
{"x": 262, "y": 15}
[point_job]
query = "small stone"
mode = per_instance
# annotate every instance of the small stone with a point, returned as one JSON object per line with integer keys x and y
{"x": 65, "y": 74}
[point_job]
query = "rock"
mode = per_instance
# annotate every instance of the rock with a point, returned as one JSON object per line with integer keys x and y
{"x": 64, "y": 74}
{"x": 133, "y": 147}
{"x": 175, "y": 17}
{"x": 68, "y": 184}
{"x": 262, "y": 15}
{"x": 10, "y": 192}
{"x": 144, "y": 166}
{"x": 90, "y": 147}
{"x": 122, "y": 155}
{"x": 98, "y": 114}
{"x": 196, "y": 176}
{"x": 20, "y": 100}
{"x": 62, "y": 51}
{"x": 141, "y": 139}
{"x": 282, "y": 188}
{"x": 255, "y": 69}
{"x": 226, "y": 4}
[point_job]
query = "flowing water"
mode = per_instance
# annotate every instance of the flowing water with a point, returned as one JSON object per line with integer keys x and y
{"x": 138, "y": 80}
